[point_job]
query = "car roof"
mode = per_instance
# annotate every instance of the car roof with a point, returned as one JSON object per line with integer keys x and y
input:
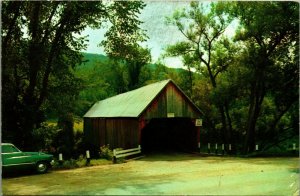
{"x": 6, "y": 144}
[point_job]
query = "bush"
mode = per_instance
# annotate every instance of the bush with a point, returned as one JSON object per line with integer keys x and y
{"x": 81, "y": 162}
{"x": 67, "y": 164}
{"x": 44, "y": 137}
{"x": 52, "y": 139}
{"x": 106, "y": 152}
{"x": 79, "y": 146}
{"x": 70, "y": 164}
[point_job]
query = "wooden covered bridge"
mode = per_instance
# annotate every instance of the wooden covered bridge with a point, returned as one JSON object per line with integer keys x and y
{"x": 158, "y": 116}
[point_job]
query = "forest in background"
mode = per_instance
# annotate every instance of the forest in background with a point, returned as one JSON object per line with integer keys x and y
{"x": 246, "y": 86}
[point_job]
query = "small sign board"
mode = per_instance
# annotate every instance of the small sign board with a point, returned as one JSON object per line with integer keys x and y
{"x": 170, "y": 115}
{"x": 198, "y": 122}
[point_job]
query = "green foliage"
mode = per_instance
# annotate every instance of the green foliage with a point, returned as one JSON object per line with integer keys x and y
{"x": 44, "y": 137}
{"x": 124, "y": 34}
{"x": 268, "y": 36}
{"x": 53, "y": 139}
{"x": 123, "y": 41}
{"x": 70, "y": 164}
{"x": 106, "y": 152}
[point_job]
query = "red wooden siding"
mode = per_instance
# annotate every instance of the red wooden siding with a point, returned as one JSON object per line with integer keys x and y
{"x": 118, "y": 133}
{"x": 170, "y": 100}
{"x": 92, "y": 133}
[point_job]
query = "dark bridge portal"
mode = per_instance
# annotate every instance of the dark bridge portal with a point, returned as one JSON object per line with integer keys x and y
{"x": 169, "y": 134}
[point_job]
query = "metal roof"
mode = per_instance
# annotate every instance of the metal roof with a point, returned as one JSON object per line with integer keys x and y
{"x": 129, "y": 104}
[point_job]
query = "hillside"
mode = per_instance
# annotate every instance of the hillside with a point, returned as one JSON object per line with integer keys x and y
{"x": 91, "y": 61}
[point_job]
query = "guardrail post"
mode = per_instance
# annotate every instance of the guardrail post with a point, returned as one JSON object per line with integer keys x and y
{"x": 216, "y": 147}
{"x": 199, "y": 145}
{"x": 294, "y": 148}
{"x": 60, "y": 158}
{"x": 114, "y": 156}
{"x": 229, "y": 149}
{"x": 223, "y": 151}
{"x": 208, "y": 148}
{"x": 88, "y": 158}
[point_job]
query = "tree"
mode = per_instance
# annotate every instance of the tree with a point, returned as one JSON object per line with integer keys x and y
{"x": 40, "y": 40}
{"x": 270, "y": 32}
{"x": 124, "y": 38}
{"x": 205, "y": 47}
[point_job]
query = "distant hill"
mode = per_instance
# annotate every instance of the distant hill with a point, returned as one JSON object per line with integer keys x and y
{"x": 90, "y": 60}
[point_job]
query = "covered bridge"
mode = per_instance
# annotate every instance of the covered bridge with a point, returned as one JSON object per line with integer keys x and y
{"x": 158, "y": 116}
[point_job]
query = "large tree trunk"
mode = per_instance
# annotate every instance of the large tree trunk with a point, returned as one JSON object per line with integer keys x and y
{"x": 256, "y": 99}
{"x": 67, "y": 142}
{"x": 230, "y": 139}
{"x": 250, "y": 132}
{"x": 134, "y": 70}
{"x": 224, "y": 125}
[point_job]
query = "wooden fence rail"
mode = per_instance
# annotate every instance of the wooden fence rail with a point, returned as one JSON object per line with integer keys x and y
{"x": 124, "y": 153}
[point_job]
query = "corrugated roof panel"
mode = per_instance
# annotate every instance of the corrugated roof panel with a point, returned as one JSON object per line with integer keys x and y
{"x": 129, "y": 104}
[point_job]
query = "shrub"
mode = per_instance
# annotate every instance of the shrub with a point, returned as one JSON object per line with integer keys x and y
{"x": 70, "y": 164}
{"x": 81, "y": 162}
{"x": 79, "y": 146}
{"x": 106, "y": 152}
{"x": 44, "y": 137}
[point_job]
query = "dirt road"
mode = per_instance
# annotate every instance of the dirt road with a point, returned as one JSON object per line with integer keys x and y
{"x": 168, "y": 174}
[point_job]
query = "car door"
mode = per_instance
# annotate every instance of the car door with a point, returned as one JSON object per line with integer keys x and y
{"x": 13, "y": 157}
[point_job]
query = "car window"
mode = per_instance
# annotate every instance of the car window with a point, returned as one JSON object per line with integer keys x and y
{"x": 9, "y": 149}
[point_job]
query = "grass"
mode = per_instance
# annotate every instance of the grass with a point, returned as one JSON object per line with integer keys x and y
{"x": 95, "y": 162}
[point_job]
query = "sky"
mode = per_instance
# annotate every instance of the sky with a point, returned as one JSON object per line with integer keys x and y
{"x": 160, "y": 34}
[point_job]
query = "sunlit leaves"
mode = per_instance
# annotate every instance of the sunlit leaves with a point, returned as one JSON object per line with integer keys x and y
{"x": 124, "y": 35}
{"x": 202, "y": 25}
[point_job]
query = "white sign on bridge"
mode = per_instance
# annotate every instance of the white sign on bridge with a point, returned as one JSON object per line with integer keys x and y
{"x": 198, "y": 122}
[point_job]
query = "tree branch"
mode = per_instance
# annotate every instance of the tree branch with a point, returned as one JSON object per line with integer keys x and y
{"x": 275, "y": 44}
{"x": 16, "y": 6}
{"x": 47, "y": 31}
{"x": 184, "y": 34}
{"x": 54, "y": 50}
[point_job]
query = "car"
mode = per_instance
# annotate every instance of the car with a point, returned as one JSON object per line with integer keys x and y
{"x": 14, "y": 159}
